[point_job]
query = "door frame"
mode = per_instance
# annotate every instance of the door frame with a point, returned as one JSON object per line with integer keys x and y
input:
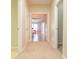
{"x": 21, "y": 23}
{"x": 47, "y": 13}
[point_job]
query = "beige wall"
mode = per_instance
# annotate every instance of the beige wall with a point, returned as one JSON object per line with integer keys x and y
{"x": 14, "y": 23}
{"x": 39, "y": 8}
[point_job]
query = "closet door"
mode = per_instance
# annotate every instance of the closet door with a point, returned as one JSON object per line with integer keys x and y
{"x": 60, "y": 25}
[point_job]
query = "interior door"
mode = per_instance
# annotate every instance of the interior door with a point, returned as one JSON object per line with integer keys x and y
{"x": 60, "y": 25}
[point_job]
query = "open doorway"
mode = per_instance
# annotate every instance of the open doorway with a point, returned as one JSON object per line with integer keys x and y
{"x": 60, "y": 24}
{"x": 39, "y": 27}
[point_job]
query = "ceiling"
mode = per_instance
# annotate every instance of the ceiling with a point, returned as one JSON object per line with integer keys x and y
{"x": 39, "y": 1}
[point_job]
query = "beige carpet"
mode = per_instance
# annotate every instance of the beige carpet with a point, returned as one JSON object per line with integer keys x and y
{"x": 39, "y": 50}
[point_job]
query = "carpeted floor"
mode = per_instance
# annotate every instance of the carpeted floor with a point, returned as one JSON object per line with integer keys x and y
{"x": 39, "y": 50}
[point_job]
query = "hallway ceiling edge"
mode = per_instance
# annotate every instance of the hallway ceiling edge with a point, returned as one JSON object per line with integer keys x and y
{"x": 32, "y": 2}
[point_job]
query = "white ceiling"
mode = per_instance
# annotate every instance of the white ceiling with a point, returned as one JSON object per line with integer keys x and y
{"x": 39, "y": 1}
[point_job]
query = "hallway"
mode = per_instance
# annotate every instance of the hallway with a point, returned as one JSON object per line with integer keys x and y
{"x": 39, "y": 50}
{"x": 43, "y": 18}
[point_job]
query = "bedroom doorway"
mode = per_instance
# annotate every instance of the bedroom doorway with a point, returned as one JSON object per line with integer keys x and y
{"x": 39, "y": 27}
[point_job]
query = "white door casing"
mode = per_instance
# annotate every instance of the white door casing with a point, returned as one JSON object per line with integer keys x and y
{"x": 21, "y": 24}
